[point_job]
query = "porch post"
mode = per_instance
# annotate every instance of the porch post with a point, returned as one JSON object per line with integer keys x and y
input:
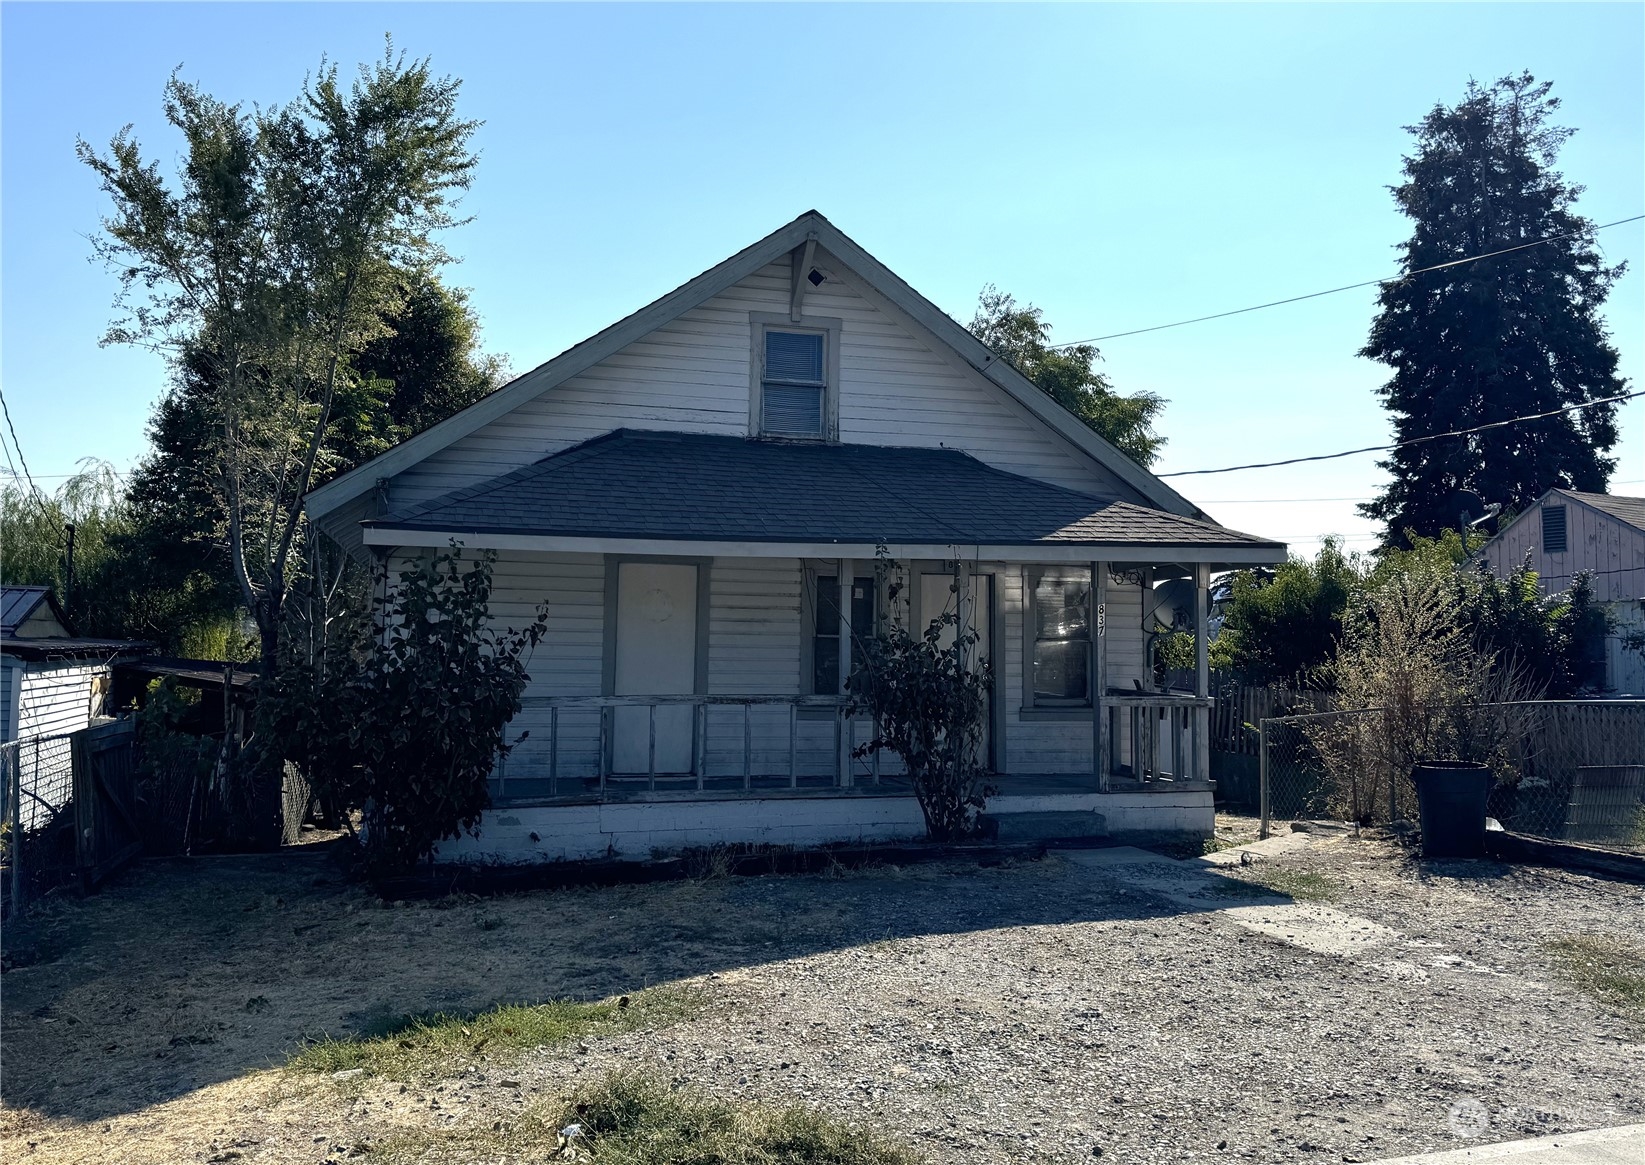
{"x": 1202, "y": 669}
{"x": 1099, "y": 674}
{"x": 847, "y": 568}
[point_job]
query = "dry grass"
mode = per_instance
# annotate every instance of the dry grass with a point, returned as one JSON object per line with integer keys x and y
{"x": 1298, "y": 885}
{"x": 637, "y": 1118}
{"x": 1607, "y": 968}
{"x": 443, "y": 1043}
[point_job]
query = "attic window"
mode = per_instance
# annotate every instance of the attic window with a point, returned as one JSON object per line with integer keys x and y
{"x": 1553, "y": 530}
{"x": 794, "y": 383}
{"x": 816, "y": 277}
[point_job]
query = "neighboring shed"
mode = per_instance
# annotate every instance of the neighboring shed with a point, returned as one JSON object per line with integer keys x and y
{"x": 31, "y": 613}
{"x": 1567, "y": 532}
{"x": 51, "y": 681}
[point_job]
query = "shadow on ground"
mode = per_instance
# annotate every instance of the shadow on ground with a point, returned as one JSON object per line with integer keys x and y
{"x": 186, "y": 972}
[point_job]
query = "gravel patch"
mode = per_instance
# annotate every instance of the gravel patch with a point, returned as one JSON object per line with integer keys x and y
{"x": 1043, "y": 1011}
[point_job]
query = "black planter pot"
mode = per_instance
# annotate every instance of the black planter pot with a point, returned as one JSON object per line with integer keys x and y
{"x": 1451, "y": 798}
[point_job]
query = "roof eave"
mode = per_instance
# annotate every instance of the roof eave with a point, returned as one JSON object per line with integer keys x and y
{"x": 1253, "y": 553}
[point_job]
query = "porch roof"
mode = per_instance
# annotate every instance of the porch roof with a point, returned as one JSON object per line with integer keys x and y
{"x": 676, "y": 488}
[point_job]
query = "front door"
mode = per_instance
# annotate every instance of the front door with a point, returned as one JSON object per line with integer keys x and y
{"x": 656, "y": 656}
{"x": 937, "y": 597}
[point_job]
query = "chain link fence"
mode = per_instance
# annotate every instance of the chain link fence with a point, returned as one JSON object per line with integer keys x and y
{"x": 37, "y": 842}
{"x": 1571, "y": 770}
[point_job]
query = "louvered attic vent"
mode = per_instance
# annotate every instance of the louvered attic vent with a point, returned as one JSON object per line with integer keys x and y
{"x": 1553, "y": 530}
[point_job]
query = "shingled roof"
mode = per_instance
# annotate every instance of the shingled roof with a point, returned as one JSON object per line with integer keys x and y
{"x": 688, "y": 487}
{"x": 1629, "y": 510}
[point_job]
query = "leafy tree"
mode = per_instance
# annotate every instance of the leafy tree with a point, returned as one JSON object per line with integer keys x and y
{"x": 430, "y": 357}
{"x": 1283, "y": 629}
{"x": 1503, "y": 337}
{"x": 1554, "y": 644}
{"x": 1068, "y": 376}
{"x": 274, "y": 259}
{"x": 410, "y": 719}
{"x": 425, "y": 367}
{"x": 117, "y": 589}
{"x": 1291, "y": 627}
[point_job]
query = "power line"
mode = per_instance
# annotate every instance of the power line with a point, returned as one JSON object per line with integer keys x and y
{"x": 1348, "y": 287}
{"x": 1413, "y": 441}
{"x": 34, "y": 490}
{"x": 1278, "y": 501}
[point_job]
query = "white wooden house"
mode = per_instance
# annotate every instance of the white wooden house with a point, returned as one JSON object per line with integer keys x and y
{"x": 700, "y": 492}
{"x": 1567, "y": 532}
{"x": 52, "y": 682}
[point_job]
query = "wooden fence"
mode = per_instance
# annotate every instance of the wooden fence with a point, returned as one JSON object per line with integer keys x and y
{"x": 69, "y": 810}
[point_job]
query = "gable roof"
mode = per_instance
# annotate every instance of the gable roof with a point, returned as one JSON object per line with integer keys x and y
{"x": 17, "y": 604}
{"x": 1629, "y": 511}
{"x": 715, "y": 488}
{"x": 810, "y": 227}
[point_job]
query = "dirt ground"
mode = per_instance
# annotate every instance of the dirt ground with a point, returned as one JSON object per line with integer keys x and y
{"x": 1038, "y": 1011}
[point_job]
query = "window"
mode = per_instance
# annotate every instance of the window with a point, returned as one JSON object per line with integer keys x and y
{"x": 794, "y": 384}
{"x": 1061, "y": 618}
{"x": 825, "y": 639}
{"x": 1553, "y": 529}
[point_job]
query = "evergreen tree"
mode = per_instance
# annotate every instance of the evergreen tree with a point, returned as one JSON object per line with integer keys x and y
{"x": 1503, "y": 337}
{"x": 1068, "y": 376}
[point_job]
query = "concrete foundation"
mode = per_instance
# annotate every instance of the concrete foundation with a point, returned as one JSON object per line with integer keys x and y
{"x": 638, "y": 830}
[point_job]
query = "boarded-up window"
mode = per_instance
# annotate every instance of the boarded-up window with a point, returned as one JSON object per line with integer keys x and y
{"x": 1553, "y": 530}
{"x": 793, "y": 385}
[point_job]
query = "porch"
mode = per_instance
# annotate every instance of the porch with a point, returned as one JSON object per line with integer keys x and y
{"x": 805, "y": 746}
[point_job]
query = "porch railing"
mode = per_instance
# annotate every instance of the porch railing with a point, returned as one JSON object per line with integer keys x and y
{"x": 761, "y": 743}
{"x": 737, "y": 742}
{"x": 1158, "y": 737}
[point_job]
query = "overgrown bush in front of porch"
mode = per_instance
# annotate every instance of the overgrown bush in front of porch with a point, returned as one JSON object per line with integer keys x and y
{"x": 407, "y": 722}
{"x": 929, "y": 702}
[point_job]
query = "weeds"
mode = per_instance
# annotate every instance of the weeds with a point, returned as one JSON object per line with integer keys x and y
{"x": 640, "y": 1119}
{"x": 1605, "y": 967}
{"x": 439, "y": 1043}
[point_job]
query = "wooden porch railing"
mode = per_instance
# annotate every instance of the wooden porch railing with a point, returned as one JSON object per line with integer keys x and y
{"x": 758, "y": 742}
{"x": 847, "y": 731}
{"x": 1158, "y": 737}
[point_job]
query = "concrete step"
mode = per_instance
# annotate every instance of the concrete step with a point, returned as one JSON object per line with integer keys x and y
{"x": 1050, "y": 825}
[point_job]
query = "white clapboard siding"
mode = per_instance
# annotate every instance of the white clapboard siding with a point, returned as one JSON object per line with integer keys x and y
{"x": 56, "y": 698}
{"x": 754, "y": 638}
{"x": 11, "y": 672}
{"x": 566, "y": 663}
{"x": 1035, "y": 745}
{"x": 693, "y": 375}
{"x": 1595, "y": 541}
{"x": 1624, "y": 665}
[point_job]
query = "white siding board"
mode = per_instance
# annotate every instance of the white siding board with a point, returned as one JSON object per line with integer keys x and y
{"x": 692, "y": 375}
{"x": 1063, "y": 745}
{"x": 11, "y": 672}
{"x": 56, "y": 698}
{"x": 1595, "y": 541}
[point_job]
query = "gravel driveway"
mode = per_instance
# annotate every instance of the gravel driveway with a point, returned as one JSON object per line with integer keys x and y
{"x": 1043, "y": 1011}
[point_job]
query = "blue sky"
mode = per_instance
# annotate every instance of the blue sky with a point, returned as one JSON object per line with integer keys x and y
{"x": 1120, "y": 166}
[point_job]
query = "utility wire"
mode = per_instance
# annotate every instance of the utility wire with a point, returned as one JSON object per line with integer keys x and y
{"x": 1348, "y": 287}
{"x": 34, "y": 490}
{"x": 1413, "y": 441}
